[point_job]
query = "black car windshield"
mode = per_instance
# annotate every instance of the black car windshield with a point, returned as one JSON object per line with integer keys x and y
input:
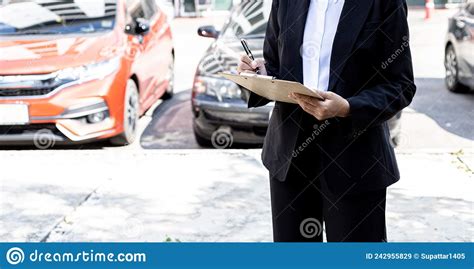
{"x": 20, "y": 17}
{"x": 248, "y": 20}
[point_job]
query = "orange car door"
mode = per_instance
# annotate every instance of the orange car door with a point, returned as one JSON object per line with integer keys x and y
{"x": 144, "y": 63}
{"x": 162, "y": 48}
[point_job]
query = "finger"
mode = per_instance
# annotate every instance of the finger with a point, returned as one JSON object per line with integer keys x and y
{"x": 320, "y": 111}
{"x": 243, "y": 67}
{"x": 304, "y": 107}
{"x": 292, "y": 96}
{"x": 311, "y": 110}
{"x": 246, "y": 59}
{"x": 258, "y": 63}
{"x": 308, "y": 107}
{"x": 309, "y": 99}
{"x": 325, "y": 94}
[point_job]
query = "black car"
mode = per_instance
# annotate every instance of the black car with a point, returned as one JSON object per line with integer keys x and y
{"x": 221, "y": 116}
{"x": 459, "y": 51}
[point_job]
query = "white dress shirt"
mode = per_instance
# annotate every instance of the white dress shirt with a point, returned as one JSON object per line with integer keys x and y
{"x": 321, "y": 26}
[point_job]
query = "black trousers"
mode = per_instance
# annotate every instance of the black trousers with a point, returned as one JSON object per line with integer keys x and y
{"x": 300, "y": 208}
{"x": 302, "y": 204}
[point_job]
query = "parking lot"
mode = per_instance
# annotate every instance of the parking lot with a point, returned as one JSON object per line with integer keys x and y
{"x": 437, "y": 119}
{"x": 164, "y": 186}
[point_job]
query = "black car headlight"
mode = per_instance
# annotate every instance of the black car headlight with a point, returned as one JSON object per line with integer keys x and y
{"x": 218, "y": 87}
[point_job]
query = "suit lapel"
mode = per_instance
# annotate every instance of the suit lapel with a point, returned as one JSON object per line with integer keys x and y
{"x": 296, "y": 19}
{"x": 294, "y": 31}
{"x": 354, "y": 14}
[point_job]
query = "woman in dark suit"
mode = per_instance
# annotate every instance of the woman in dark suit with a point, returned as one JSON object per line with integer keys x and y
{"x": 331, "y": 161}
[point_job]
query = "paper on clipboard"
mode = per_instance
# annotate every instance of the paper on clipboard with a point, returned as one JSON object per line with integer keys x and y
{"x": 269, "y": 87}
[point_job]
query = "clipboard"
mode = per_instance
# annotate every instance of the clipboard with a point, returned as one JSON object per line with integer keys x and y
{"x": 269, "y": 87}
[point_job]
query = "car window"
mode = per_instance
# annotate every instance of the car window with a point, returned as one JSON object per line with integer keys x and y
{"x": 135, "y": 9}
{"x": 142, "y": 9}
{"x": 470, "y": 9}
{"x": 248, "y": 19}
{"x": 56, "y": 17}
{"x": 150, "y": 8}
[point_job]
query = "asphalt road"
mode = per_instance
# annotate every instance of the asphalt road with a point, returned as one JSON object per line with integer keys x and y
{"x": 171, "y": 125}
{"x": 452, "y": 112}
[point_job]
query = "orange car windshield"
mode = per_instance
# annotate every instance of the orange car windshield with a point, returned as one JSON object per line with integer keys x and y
{"x": 19, "y": 17}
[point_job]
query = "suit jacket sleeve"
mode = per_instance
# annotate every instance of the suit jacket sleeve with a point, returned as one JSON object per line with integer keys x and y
{"x": 375, "y": 105}
{"x": 270, "y": 53}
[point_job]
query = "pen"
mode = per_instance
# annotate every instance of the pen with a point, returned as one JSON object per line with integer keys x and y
{"x": 249, "y": 52}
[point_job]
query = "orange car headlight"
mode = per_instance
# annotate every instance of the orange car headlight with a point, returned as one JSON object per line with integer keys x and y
{"x": 89, "y": 72}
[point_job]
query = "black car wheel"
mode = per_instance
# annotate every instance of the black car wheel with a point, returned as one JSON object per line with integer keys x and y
{"x": 452, "y": 71}
{"x": 202, "y": 141}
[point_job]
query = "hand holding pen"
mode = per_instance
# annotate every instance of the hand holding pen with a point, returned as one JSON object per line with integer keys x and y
{"x": 248, "y": 64}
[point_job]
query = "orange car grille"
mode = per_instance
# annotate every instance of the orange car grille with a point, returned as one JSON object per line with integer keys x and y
{"x": 25, "y": 92}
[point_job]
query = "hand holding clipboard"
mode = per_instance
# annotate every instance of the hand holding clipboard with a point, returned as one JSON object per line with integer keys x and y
{"x": 270, "y": 88}
{"x": 253, "y": 77}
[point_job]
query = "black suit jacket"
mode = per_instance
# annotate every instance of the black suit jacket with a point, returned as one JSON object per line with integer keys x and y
{"x": 370, "y": 66}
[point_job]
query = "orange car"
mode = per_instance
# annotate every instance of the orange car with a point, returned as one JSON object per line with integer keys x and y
{"x": 81, "y": 70}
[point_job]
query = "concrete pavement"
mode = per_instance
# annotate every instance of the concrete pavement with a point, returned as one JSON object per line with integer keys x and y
{"x": 206, "y": 195}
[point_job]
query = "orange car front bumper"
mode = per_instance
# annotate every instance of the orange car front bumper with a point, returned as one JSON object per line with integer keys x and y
{"x": 63, "y": 114}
